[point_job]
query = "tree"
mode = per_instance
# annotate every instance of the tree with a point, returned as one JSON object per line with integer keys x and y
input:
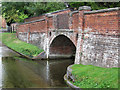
{"x": 18, "y": 11}
{"x": 39, "y": 8}
{"x": 13, "y": 12}
{"x": 95, "y": 5}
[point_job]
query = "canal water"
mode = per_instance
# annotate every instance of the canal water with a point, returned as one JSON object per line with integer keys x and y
{"x": 19, "y": 72}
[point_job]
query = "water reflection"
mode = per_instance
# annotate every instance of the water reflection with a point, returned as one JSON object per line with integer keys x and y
{"x": 47, "y": 70}
{"x": 22, "y": 73}
{"x": 18, "y": 72}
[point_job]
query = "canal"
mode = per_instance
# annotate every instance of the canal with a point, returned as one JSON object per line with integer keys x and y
{"x": 19, "y": 72}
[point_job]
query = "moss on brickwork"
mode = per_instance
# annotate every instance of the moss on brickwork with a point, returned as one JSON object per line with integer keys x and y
{"x": 10, "y": 40}
{"x": 88, "y": 76}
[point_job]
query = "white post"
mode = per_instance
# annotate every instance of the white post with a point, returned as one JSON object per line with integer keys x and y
{"x": 47, "y": 48}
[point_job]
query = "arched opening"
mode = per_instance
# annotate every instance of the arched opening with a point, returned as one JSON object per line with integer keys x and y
{"x": 62, "y": 47}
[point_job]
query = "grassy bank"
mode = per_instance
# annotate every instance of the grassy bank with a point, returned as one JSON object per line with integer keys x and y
{"x": 10, "y": 40}
{"x": 88, "y": 76}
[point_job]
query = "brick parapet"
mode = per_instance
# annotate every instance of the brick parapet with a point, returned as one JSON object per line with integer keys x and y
{"x": 92, "y": 33}
{"x": 43, "y": 15}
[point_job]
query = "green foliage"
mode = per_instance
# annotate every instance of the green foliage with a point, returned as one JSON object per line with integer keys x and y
{"x": 95, "y": 5}
{"x": 14, "y": 12}
{"x": 28, "y": 49}
{"x": 38, "y": 8}
{"x": 18, "y": 11}
{"x": 88, "y": 76}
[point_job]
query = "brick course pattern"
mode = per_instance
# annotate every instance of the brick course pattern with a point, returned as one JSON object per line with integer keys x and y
{"x": 93, "y": 35}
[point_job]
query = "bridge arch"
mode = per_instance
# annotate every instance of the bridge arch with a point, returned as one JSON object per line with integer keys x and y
{"x": 61, "y": 46}
{"x": 67, "y": 35}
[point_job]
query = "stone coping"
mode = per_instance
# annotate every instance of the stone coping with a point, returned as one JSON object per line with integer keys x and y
{"x": 58, "y": 11}
{"x": 95, "y": 11}
{"x": 102, "y": 10}
{"x": 84, "y": 8}
{"x": 32, "y": 21}
{"x": 71, "y": 13}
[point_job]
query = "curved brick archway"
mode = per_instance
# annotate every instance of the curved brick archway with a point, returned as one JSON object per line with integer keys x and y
{"x": 61, "y": 46}
{"x": 71, "y": 36}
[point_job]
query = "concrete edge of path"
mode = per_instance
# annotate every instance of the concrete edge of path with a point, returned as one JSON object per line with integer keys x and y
{"x": 69, "y": 83}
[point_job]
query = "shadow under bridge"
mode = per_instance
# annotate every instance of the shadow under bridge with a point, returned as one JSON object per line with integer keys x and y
{"x": 62, "y": 47}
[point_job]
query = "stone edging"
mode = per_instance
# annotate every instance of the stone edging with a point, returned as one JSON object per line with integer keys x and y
{"x": 68, "y": 82}
{"x": 69, "y": 75}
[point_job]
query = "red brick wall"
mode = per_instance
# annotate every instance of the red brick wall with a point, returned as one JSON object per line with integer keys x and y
{"x": 106, "y": 22}
{"x": 23, "y": 28}
{"x": 34, "y": 18}
{"x": 103, "y": 22}
{"x": 34, "y": 27}
{"x": 75, "y": 21}
{"x": 119, "y": 21}
{"x": 50, "y": 23}
{"x": 43, "y": 16}
{"x": 38, "y": 26}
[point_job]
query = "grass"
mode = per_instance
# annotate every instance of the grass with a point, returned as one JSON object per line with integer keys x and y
{"x": 10, "y": 40}
{"x": 2, "y": 28}
{"x": 88, "y": 76}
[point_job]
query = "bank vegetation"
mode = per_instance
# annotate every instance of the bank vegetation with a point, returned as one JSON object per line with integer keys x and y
{"x": 10, "y": 40}
{"x": 89, "y": 76}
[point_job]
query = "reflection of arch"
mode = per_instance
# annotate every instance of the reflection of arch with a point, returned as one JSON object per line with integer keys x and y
{"x": 61, "y": 45}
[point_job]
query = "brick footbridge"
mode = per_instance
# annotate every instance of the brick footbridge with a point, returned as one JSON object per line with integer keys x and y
{"x": 91, "y": 36}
